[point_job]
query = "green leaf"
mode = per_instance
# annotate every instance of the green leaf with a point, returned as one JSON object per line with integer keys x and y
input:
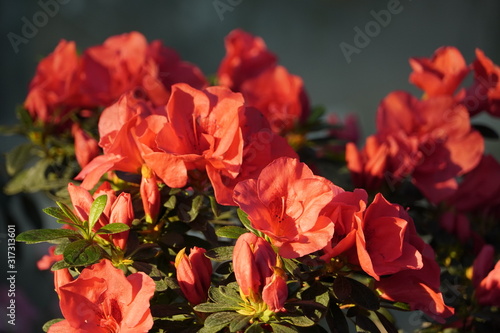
{"x": 239, "y": 322}
{"x": 232, "y": 232}
{"x": 30, "y": 180}
{"x": 113, "y": 228}
{"x": 366, "y": 324}
{"x": 221, "y": 319}
{"x": 316, "y": 113}
{"x": 389, "y": 327}
{"x": 244, "y": 220}
{"x": 227, "y": 295}
{"x": 96, "y": 210}
{"x": 301, "y": 321}
{"x": 17, "y": 158}
{"x": 51, "y": 322}
{"x": 214, "y": 307}
{"x": 336, "y": 320}
{"x": 222, "y": 253}
{"x": 45, "y": 235}
{"x": 256, "y": 327}
{"x": 58, "y": 213}
{"x": 82, "y": 253}
{"x": 341, "y": 288}
{"x": 214, "y": 206}
{"x": 363, "y": 296}
{"x": 278, "y": 328}
{"x": 59, "y": 265}
{"x": 69, "y": 213}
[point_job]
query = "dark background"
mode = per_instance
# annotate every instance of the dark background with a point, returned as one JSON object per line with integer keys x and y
{"x": 306, "y": 35}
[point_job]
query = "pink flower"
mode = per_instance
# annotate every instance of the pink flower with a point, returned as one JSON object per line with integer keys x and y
{"x": 286, "y": 203}
{"x": 194, "y": 274}
{"x": 47, "y": 260}
{"x": 103, "y": 300}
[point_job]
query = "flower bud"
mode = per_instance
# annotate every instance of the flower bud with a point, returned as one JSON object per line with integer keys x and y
{"x": 193, "y": 274}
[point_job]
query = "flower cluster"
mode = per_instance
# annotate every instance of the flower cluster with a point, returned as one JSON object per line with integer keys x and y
{"x": 189, "y": 205}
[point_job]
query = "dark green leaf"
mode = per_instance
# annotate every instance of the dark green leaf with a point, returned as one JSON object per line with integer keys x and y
{"x": 363, "y": 296}
{"x": 232, "y": 232}
{"x": 96, "y": 209}
{"x": 59, "y": 265}
{"x": 290, "y": 265}
{"x": 69, "y": 213}
{"x": 239, "y": 322}
{"x": 396, "y": 306}
{"x": 336, "y": 320}
{"x": 17, "y": 158}
{"x": 56, "y": 212}
{"x": 30, "y": 180}
{"x": 256, "y": 327}
{"x": 301, "y": 321}
{"x": 278, "y": 328}
{"x": 341, "y": 288}
{"x": 214, "y": 205}
{"x": 187, "y": 213}
{"x": 214, "y": 307}
{"x": 82, "y": 253}
{"x": 389, "y": 327}
{"x": 51, "y": 322}
{"x": 366, "y": 324}
{"x": 45, "y": 235}
{"x": 222, "y": 253}
{"x": 113, "y": 228}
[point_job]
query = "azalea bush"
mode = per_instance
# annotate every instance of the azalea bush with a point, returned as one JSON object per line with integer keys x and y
{"x": 227, "y": 203}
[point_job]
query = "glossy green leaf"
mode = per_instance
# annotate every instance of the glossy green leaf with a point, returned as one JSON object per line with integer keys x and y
{"x": 222, "y": 253}
{"x": 58, "y": 213}
{"x": 96, "y": 209}
{"x": 113, "y": 228}
{"x": 82, "y": 253}
{"x": 45, "y": 235}
{"x": 232, "y": 232}
{"x": 69, "y": 213}
{"x": 59, "y": 265}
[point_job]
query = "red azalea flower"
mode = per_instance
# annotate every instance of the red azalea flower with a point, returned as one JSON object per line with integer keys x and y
{"x": 261, "y": 147}
{"x": 286, "y": 203}
{"x": 479, "y": 191}
{"x": 86, "y": 147}
{"x": 447, "y": 145}
{"x": 118, "y": 209}
{"x": 441, "y": 74}
{"x": 246, "y": 57}
{"x": 379, "y": 238}
{"x": 54, "y": 89}
{"x": 102, "y": 299}
{"x": 194, "y": 274}
{"x": 484, "y": 94}
{"x": 202, "y": 132}
{"x": 256, "y": 271}
{"x": 488, "y": 290}
{"x": 279, "y": 95}
{"x": 419, "y": 288}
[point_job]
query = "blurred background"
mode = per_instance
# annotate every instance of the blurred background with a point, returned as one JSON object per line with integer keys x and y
{"x": 306, "y": 35}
